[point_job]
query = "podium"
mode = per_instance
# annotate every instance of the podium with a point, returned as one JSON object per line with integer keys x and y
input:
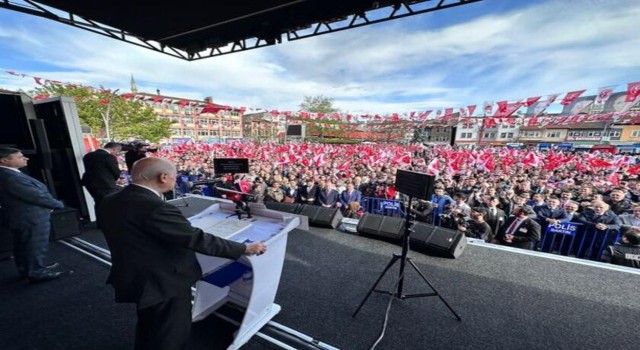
{"x": 250, "y": 282}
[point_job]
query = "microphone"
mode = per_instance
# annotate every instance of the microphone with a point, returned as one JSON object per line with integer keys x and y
{"x": 184, "y": 203}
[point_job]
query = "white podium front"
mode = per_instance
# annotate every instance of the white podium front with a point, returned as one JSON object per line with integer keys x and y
{"x": 250, "y": 282}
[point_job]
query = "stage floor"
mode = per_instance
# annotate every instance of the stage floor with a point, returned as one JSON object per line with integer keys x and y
{"x": 507, "y": 300}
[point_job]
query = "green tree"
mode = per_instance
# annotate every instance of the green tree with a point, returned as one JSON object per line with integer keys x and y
{"x": 418, "y": 135}
{"x": 108, "y": 114}
{"x": 318, "y": 104}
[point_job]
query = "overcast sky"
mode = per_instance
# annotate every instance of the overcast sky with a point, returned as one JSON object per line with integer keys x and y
{"x": 488, "y": 51}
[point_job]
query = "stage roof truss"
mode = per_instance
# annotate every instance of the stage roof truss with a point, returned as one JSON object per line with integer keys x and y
{"x": 260, "y": 27}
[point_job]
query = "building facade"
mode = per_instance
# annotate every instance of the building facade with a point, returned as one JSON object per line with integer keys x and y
{"x": 197, "y": 120}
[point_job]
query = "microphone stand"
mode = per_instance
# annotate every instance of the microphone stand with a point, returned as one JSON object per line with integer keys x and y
{"x": 242, "y": 206}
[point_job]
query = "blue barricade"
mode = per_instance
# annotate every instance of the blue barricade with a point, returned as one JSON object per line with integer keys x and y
{"x": 382, "y": 206}
{"x": 573, "y": 239}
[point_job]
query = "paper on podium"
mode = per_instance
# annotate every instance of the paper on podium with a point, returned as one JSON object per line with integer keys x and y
{"x": 215, "y": 222}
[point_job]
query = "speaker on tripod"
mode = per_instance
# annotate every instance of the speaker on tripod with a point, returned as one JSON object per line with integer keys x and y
{"x": 416, "y": 185}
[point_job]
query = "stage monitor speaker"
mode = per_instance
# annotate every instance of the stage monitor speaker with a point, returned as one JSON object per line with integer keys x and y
{"x": 6, "y": 238}
{"x": 65, "y": 223}
{"x": 321, "y": 216}
{"x": 434, "y": 240}
{"x": 291, "y": 208}
{"x": 42, "y": 143}
{"x": 64, "y": 135}
{"x": 380, "y": 226}
{"x": 16, "y": 110}
{"x": 295, "y": 130}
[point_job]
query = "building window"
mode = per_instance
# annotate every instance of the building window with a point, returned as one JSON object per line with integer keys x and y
{"x": 203, "y": 133}
{"x": 591, "y": 133}
{"x": 531, "y": 134}
{"x": 614, "y": 133}
{"x": 188, "y": 132}
{"x": 553, "y": 134}
{"x": 635, "y": 133}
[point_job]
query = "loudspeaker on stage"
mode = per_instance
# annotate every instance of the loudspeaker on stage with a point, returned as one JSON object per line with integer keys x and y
{"x": 434, "y": 240}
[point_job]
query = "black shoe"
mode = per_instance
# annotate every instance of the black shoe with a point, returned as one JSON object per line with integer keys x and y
{"x": 51, "y": 266}
{"x": 47, "y": 276}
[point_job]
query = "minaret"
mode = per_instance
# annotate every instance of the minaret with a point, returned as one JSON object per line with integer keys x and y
{"x": 134, "y": 86}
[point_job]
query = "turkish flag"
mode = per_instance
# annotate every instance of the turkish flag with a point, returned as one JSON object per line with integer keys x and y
{"x": 488, "y": 107}
{"x": 614, "y": 179}
{"x": 502, "y": 109}
{"x": 433, "y": 167}
{"x": 633, "y": 92}
{"x": 448, "y": 113}
{"x": 471, "y": 109}
{"x": 603, "y": 94}
{"x": 571, "y": 96}
{"x": 531, "y": 100}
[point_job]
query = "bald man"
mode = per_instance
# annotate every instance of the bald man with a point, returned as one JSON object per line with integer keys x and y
{"x": 153, "y": 254}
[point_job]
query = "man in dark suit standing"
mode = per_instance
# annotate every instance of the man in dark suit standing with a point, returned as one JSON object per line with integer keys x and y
{"x": 27, "y": 205}
{"x": 495, "y": 217}
{"x": 101, "y": 171}
{"x": 520, "y": 230}
{"x": 350, "y": 194}
{"x": 152, "y": 253}
{"x": 328, "y": 197}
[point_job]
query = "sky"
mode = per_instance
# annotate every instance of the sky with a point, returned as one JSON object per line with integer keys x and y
{"x": 491, "y": 50}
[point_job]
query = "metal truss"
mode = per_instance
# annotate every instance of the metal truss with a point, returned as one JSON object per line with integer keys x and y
{"x": 398, "y": 10}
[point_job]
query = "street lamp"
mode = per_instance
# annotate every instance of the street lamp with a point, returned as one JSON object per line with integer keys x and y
{"x": 106, "y": 115}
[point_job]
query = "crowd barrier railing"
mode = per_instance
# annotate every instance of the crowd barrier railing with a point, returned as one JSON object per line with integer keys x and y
{"x": 571, "y": 239}
{"x": 382, "y": 206}
{"x": 574, "y": 239}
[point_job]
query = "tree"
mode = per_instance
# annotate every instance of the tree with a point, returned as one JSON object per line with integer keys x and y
{"x": 318, "y": 104}
{"x": 108, "y": 114}
{"x": 418, "y": 135}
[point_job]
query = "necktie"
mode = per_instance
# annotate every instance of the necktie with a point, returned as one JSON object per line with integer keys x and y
{"x": 513, "y": 226}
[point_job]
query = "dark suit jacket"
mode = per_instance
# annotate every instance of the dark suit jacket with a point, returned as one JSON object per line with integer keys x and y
{"x": 26, "y": 202}
{"x": 496, "y": 222}
{"x": 327, "y": 198}
{"x": 152, "y": 246}
{"x": 101, "y": 170}
{"x": 345, "y": 197}
{"x": 527, "y": 233}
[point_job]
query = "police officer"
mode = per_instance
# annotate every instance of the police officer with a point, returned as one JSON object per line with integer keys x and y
{"x": 627, "y": 253}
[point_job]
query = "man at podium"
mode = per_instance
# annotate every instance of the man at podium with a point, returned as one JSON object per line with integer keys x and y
{"x": 153, "y": 254}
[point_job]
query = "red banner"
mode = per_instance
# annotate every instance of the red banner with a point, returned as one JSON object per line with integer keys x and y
{"x": 633, "y": 91}
{"x": 571, "y": 96}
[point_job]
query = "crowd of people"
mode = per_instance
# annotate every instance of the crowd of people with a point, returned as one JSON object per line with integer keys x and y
{"x": 480, "y": 192}
{"x": 498, "y": 195}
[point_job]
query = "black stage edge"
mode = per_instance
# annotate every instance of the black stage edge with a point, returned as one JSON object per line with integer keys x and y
{"x": 507, "y": 301}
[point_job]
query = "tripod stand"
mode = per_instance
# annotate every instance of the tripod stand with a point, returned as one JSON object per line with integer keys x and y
{"x": 397, "y": 292}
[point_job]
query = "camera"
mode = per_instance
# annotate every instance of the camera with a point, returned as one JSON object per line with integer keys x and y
{"x": 135, "y": 146}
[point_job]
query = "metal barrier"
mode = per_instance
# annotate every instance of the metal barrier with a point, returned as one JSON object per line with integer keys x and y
{"x": 382, "y": 206}
{"x": 574, "y": 239}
